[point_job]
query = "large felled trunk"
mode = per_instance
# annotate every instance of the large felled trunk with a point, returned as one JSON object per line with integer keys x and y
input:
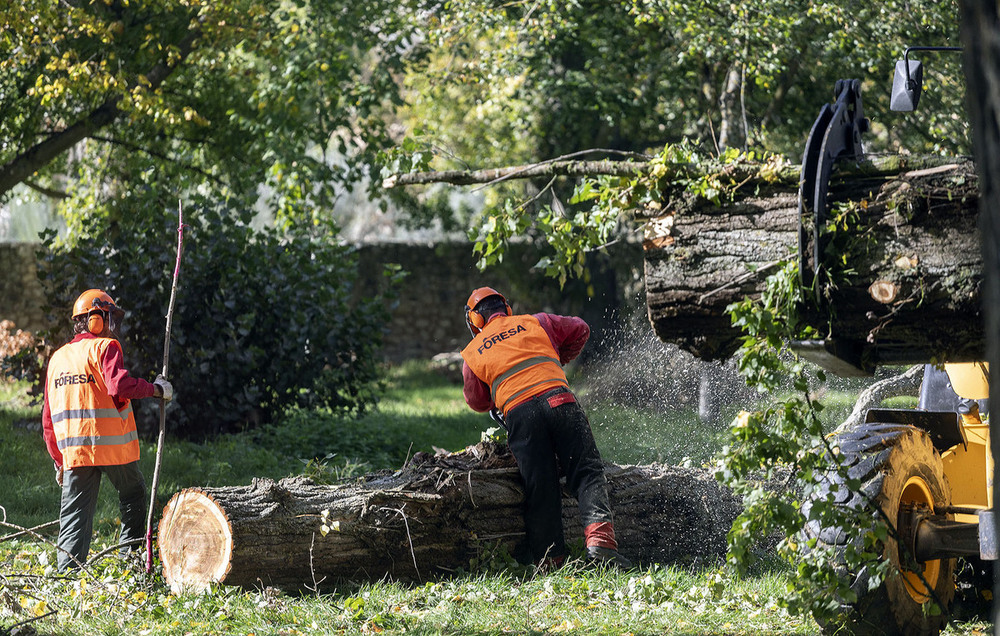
{"x": 431, "y": 517}
{"x": 899, "y": 279}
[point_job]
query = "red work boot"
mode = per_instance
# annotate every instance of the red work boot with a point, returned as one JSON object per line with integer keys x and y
{"x": 606, "y": 556}
{"x": 602, "y": 547}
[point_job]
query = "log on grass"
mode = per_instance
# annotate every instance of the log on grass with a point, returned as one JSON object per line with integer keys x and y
{"x": 433, "y": 516}
{"x": 906, "y": 275}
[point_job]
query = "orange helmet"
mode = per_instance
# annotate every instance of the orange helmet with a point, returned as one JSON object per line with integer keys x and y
{"x": 95, "y": 303}
{"x": 475, "y": 321}
{"x": 95, "y": 299}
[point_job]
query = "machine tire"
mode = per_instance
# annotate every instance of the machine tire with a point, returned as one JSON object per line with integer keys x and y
{"x": 895, "y": 464}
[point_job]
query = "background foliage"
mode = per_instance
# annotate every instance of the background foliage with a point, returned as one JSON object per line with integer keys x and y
{"x": 540, "y": 79}
{"x": 264, "y": 319}
{"x": 520, "y": 82}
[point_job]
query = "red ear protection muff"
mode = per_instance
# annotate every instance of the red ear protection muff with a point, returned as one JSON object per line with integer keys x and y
{"x": 473, "y": 319}
{"x": 95, "y": 322}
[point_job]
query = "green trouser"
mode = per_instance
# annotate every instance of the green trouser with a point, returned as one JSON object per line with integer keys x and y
{"x": 79, "y": 502}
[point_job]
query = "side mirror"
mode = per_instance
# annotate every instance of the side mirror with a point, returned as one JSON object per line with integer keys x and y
{"x": 906, "y": 86}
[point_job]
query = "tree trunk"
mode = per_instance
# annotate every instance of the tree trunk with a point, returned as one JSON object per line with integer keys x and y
{"x": 981, "y": 39}
{"x": 908, "y": 272}
{"x": 433, "y": 516}
{"x": 731, "y": 131}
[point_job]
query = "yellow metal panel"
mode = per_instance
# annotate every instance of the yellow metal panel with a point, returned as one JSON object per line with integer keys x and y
{"x": 971, "y": 380}
{"x": 966, "y": 470}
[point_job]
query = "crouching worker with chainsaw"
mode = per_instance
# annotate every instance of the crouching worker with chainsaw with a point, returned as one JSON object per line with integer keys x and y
{"x": 513, "y": 368}
{"x": 89, "y": 428}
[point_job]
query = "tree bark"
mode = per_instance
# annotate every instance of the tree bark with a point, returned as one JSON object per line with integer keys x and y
{"x": 732, "y": 133}
{"x": 909, "y": 271}
{"x": 432, "y": 517}
{"x": 981, "y": 41}
{"x": 530, "y": 171}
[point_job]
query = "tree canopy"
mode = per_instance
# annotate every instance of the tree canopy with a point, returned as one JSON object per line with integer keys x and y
{"x": 523, "y": 82}
{"x": 100, "y": 97}
{"x": 294, "y": 98}
{"x": 533, "y": 80}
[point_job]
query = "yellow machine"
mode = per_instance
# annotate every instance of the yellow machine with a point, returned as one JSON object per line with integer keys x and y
{"x": 928, "y": 473}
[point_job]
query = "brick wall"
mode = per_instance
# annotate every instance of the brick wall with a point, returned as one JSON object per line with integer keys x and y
{"x": 429, "y": 317}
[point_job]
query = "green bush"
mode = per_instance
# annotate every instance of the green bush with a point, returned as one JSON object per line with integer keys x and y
{"x": 264, "y": 319}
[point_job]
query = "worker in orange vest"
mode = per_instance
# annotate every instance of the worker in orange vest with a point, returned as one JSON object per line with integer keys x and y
{"x": 89, "y": 428}
{"x": 513, "y": 368}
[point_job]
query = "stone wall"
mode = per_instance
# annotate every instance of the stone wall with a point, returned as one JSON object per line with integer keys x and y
{"x": 428, "y": 318}
{"x": 20, "y": 288}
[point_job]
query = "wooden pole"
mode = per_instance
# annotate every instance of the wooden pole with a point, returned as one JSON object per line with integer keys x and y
{"x": 163, "y": 404}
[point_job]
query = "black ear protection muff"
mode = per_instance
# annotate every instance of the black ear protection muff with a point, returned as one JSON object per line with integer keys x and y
{"x": 474, "y": 319}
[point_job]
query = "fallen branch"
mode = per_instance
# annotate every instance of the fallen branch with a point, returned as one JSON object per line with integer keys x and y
{"x": 906, "y": 383}
{"x": 737, "y": 174}
{"x": 119, "y": 546}
{"x": 495, "y": 175}
{"x": 29, "y": 531}
{"x": 10, "y": 630}
{"x": 32, "y": 532}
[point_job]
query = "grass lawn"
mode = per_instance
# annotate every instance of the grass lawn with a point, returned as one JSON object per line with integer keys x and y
{"x": 420, "y": 411}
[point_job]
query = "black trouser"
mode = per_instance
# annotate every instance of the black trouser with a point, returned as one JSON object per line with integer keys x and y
{"x": 79, "y": 502}
{"x": 538, "y": 434}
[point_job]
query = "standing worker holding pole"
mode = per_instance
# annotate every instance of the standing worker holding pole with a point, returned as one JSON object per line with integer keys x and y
{"x": 89, "y": 428}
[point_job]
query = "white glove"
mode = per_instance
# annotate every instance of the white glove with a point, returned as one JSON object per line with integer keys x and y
{"x": 59, "y": 473}
{"x": 166, "y": 390}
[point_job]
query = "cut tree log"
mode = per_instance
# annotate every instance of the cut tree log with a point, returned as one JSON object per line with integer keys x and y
{"x": 898, "y": 282}
{"x": 432, "y": 517}
{"x": 907, "y": 270}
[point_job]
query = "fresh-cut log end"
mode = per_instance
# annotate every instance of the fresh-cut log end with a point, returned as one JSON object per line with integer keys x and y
{"x": 196, "y": 542}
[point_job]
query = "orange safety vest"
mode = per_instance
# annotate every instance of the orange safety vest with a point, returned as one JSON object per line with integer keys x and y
{"x": 515, "y": 357}
{"x": 89, "y": 428}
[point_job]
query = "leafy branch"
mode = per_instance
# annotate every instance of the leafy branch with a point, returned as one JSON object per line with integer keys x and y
{"x": 788, "y": 438}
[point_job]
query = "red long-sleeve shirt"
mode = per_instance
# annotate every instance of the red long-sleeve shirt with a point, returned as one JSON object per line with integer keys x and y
{"x": 568, "y": 335}
{"x": 121, "y": 387}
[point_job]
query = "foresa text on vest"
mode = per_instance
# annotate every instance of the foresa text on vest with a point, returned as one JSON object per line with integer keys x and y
{"x": 497, "y": 337}
{"x": 68, "y": 378}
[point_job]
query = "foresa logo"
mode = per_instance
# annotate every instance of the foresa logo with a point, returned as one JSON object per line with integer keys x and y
{"x": 497, "y": 337}
{"x": 73, "y": 378}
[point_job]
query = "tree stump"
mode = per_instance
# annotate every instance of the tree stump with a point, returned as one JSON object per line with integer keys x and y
{"x": 429, "y": 518}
